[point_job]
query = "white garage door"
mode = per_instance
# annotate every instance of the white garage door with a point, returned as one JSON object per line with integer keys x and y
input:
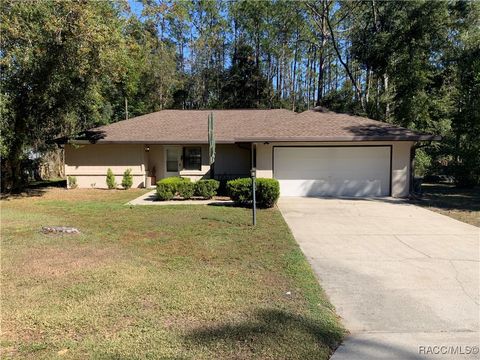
{"x": 333, "y": 171}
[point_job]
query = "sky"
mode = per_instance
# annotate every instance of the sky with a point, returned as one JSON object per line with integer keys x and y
{"x": 136, "y": 7}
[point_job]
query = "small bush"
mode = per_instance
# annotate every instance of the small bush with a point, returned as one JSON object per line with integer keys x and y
{"x": 164, "y": 192}
{"x": 127, "y": 180}
{"x": 240, "y": 190}
{"x": 267, "y": 191}
{"x": 111, "y": 184}
{"x": 169, "y": 187}
{"x": 206, "y": 188}
{"x": 186, "y": 189}
{"x": 72, "y": 182}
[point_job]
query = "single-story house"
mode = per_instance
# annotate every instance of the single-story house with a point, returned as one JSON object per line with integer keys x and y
{"x": 313, "y": 153}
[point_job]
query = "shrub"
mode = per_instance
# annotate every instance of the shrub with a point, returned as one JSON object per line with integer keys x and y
{"x": 127, "y": 180}
{"x": 72, "y": 182}
{"x": 111, "y": 184}
{"x": 186, "y": 189}
{"x": 240, "y": 190}
{"x": 164, "y": 192}
{"x": 267, "y": 191}
{"x": 169, "y": 187}
{"x": 206, "y": 188}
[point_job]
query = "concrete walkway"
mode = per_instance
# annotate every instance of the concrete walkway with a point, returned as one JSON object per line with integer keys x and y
{"x": 405, "y": 280}
{"x": 150, "y": 198}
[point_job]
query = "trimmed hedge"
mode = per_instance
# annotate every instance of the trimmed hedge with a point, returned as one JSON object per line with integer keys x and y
{"x": 186, "y": 189}
{"x": 169, "y": 187}
{"x": 206, "y": 188}
{"x": 240, "y": 190}
{"x": 267, "y": 191}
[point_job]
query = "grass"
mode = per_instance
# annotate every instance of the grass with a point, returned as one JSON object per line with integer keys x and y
{"x": 178, "y": 282}
{"x": 446, "y": 199}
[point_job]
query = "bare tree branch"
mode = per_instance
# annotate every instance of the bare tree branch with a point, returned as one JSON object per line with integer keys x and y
{"x": 345, "y": 66}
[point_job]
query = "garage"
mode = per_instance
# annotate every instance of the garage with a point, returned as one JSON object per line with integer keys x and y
{"x": 350, "y": 171}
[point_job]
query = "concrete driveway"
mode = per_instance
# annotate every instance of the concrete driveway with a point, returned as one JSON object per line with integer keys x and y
{"x": 405, "y": 280}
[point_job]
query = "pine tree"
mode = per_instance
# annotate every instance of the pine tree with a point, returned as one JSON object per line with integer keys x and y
{"x": 111, "y": 183}
{"x": 127, "y": 180}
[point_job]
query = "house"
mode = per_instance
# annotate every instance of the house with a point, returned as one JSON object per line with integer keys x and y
{"x": 314, "y": 153}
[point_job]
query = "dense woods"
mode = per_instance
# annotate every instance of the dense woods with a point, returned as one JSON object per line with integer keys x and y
{"x": 69, "y": 65}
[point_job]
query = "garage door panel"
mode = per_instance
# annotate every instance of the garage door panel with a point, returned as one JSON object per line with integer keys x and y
{"x": 333, "y": 171}
{"x": 324, "y": 188}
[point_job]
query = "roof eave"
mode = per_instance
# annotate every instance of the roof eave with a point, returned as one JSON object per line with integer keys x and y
{"x": 341, "y": 138}
{"x": 149, "y": 142}
{"x": 420, "y": 137}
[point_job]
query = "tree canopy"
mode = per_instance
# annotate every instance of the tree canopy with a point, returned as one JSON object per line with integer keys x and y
{"x": 69, "y": 66}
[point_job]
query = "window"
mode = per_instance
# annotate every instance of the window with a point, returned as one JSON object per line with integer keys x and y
{"x": 192, "y": 158}
{"x": 172, "y": 160}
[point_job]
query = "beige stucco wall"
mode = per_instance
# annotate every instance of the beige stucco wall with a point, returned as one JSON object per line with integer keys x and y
{"x": 155, "y": 163}
{"x": 401, "y": 168}
{"x": 89, "y": 163}
{"x": 400, "y": 161}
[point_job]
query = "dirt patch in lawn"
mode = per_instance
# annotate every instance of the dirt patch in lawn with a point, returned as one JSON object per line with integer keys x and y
{"x": 63, "y": 194}
{"x": 54, "y": 262}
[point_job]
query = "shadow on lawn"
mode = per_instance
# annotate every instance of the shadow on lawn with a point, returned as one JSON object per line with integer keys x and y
{"x": 35, "y": 189}
{"x": 267, "y": 326}
{"x": 449, "y": 197}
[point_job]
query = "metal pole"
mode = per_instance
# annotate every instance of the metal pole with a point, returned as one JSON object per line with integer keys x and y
{"x": 254, "y": 203}
{"x": 253, "y": 175}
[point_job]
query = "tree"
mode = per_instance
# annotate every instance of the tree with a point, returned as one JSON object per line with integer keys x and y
{"x": 245, "y": 86}
{"x": 463, "y": 142}
{"x": 127, "y": 180}
{"x": 56, "y": 56}
{"x": 110, "y": 179}
{"x": 68, "y": 66}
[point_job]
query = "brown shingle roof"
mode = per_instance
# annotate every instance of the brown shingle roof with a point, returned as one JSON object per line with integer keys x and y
{"x": 190, "y": 126}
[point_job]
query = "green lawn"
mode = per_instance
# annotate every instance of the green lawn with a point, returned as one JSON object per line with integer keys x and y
{"x": 446, "y": 199}
{"x": 178, "y": 282}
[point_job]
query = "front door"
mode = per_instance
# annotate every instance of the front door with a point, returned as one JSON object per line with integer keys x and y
{"x": 172, "y": 160}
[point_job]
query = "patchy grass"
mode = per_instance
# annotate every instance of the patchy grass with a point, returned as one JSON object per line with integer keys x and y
{"x": 460, "y": 204}
{"x": 177, "y": 282}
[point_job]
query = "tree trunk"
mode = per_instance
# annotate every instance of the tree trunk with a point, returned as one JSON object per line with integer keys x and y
{"x": 367, "y": 84}
{"x": 18, "y": 181}
{"x": 314, "y": 75}
{"x": 358, "y": 92}
{"x": 385, "y": 91}
{"x": 308, "y": 76}
{"x": 294, "y": 77}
